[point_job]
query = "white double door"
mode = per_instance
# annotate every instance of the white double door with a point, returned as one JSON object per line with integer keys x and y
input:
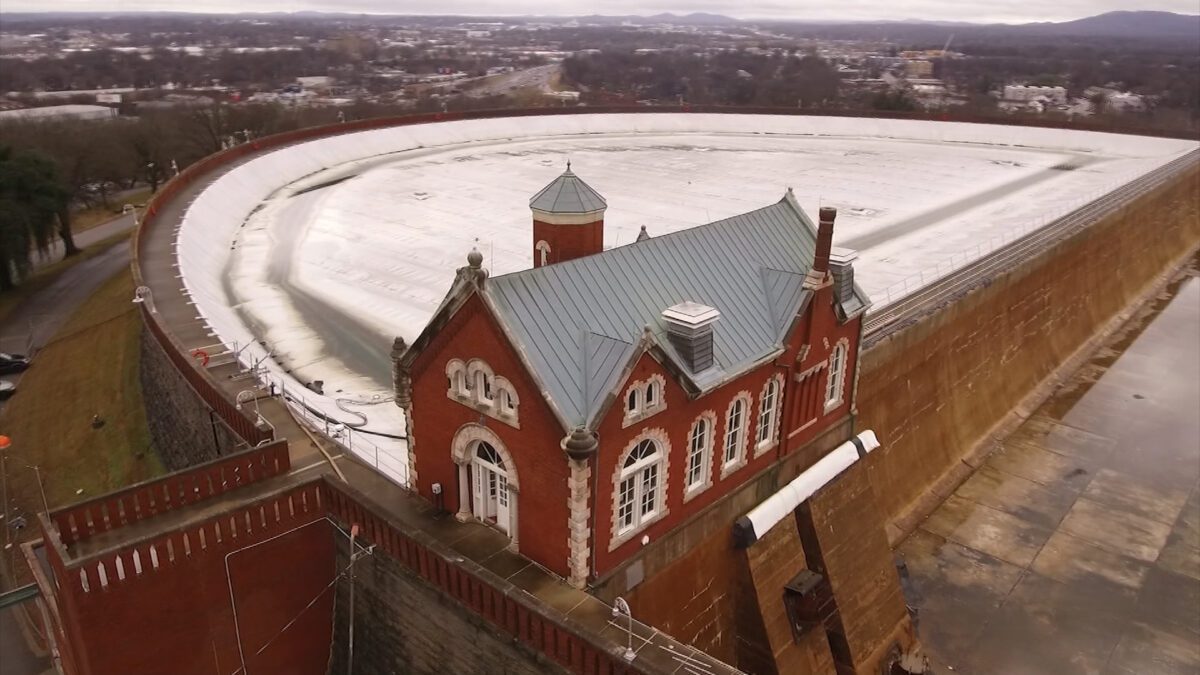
{"x": 489, "y": 491}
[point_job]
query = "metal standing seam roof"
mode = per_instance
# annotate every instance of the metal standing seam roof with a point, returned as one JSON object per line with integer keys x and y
{"x": 567, "y": 194}
{"x": 579, "y": 322}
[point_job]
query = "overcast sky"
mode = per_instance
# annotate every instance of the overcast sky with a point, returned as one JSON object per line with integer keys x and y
{"x": 980, "y": 11}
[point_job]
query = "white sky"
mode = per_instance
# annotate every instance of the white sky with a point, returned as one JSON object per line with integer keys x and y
{"x": 976, "y": 11}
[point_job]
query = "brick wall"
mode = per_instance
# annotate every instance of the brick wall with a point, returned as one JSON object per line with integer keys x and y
{"x": 540, "y": 465}
{"x": 819, "y": 330}
{"x": 167, "y": 603}
{"x": 567, "y": 242}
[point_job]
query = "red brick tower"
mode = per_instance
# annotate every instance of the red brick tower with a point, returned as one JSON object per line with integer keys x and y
{"x": 568, "y": 220}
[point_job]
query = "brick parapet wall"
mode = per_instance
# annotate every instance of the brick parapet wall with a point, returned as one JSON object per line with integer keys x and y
{"x": 114, "y": 510}
{"x": 180, "y": 576}
{"x": 505, "y": 607}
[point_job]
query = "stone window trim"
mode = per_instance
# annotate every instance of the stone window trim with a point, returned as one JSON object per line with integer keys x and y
{"x": 835, "y": 382}
{"x": 636, "y": 396}
{"x": 772, "y": 439}
{"x": 660, "y": 438}
{"x": 474, "y": 384}
{"x": 709, "y": 418}
{"x": 543, "y": 250}
{"x": 742, "y": 457}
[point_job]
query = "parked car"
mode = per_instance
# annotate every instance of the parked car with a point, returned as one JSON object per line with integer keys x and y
{"x": 13, "y": 363}
{"x": 7, "y": 389}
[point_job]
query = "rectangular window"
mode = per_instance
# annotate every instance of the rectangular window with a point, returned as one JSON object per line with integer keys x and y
{"x": 733, "y": 433}
{"x": 699, "y": 441}
{"x": 625, "y": 504}
{"x": 649, "y": 489}
{"x": 766, "y": 416}
{"x": 837, "y": 369}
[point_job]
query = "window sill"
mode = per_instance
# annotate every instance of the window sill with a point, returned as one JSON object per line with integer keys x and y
{"x": 691, "y": 493}
{"x": 487, "y": 408}
{"x": 618, "y": 541}
{"x": 766, "y": 446}
{"x": 634, "y": 418}
{"x": 731, "y": 468}
{"x": 833, "y": 405}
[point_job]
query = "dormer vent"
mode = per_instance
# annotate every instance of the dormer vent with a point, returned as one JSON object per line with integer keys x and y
{"x": 690, "y": 329}
{"x": 841, "y": 266}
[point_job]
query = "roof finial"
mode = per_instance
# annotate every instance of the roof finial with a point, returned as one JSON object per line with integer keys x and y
{"x": 568, "y": 164}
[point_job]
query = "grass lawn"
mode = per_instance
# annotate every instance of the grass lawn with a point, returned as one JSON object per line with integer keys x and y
{"x": 91, "y": 367}
{"x": 44, "y": 276}
{"x": 86, "y": 219}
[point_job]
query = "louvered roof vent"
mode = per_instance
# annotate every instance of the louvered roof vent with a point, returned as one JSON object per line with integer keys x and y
{"x": 690, "y": 329}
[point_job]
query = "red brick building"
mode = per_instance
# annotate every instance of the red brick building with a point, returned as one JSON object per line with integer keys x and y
{"x": 590, "y": 405}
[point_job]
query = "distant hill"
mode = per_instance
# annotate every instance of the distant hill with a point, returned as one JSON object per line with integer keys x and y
{"x": 693, "y": 19}
{"x": 1125, "y": 25}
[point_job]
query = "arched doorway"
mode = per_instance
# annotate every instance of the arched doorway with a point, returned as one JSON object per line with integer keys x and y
{"x": 490, "y": 498}
{"x": 487, "y": 480}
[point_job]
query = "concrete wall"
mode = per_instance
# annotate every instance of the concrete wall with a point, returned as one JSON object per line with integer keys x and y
{"x": 182, "y": 429}
{"x": 403, "y": 625}
{"x": 935, "y": 391}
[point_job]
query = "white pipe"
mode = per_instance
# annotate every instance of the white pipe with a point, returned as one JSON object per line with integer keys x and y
{"x": 752, "y": 526}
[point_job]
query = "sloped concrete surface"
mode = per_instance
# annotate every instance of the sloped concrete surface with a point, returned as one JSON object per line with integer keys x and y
{"x": 1075, "y": 548}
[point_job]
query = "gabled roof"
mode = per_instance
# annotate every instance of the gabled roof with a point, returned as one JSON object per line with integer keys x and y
{"x": 581, "y": 323}
{"x": 568, "y": 194}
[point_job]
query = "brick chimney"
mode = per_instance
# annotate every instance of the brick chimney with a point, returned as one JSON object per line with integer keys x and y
{"x": 824, "y": 239}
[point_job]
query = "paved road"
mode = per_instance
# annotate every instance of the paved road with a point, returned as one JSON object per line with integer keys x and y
{"x": 16, "y": 658}
{"x": 87, "y": 238}
{"x": 35, "y": 321}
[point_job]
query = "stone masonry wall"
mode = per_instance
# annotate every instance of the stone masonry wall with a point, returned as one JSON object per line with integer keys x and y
{"x": 934, "y": 392}
{"x": 182, "y": 430}
{"x": 403, "y": 626}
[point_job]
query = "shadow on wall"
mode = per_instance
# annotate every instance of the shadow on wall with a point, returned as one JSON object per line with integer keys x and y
{"x": 936, "y": 390}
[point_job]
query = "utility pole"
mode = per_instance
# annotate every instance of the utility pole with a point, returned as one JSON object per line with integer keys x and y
{"x": 350, "y": 646}
{"x": 5, "y": 442}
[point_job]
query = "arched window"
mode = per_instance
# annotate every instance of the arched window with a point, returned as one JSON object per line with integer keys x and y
{"x": 835, "y": 383}
{"x": 487, "y": 453}
{"x": 543, "y": 251}
{"x": 644, "y": 398}
{"x": 699, "y": 462}
{"x": 768, "y": 410}
{"x": 456, "y": 374}
{"x": 735, "y": 432}
{"x": 475, "y": 385}
{"x": 639, "y": 490}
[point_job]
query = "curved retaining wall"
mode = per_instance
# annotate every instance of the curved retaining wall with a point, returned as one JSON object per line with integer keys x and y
{"x": 209, "y": 222}
{"x": 939, "y": 390}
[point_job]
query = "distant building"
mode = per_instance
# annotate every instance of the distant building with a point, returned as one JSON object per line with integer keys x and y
{"x": 59, "y": 112}
{"x": 918, "y": 69}
{"x": 1022, "y": 93}
{"x": 315, "y": 82}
